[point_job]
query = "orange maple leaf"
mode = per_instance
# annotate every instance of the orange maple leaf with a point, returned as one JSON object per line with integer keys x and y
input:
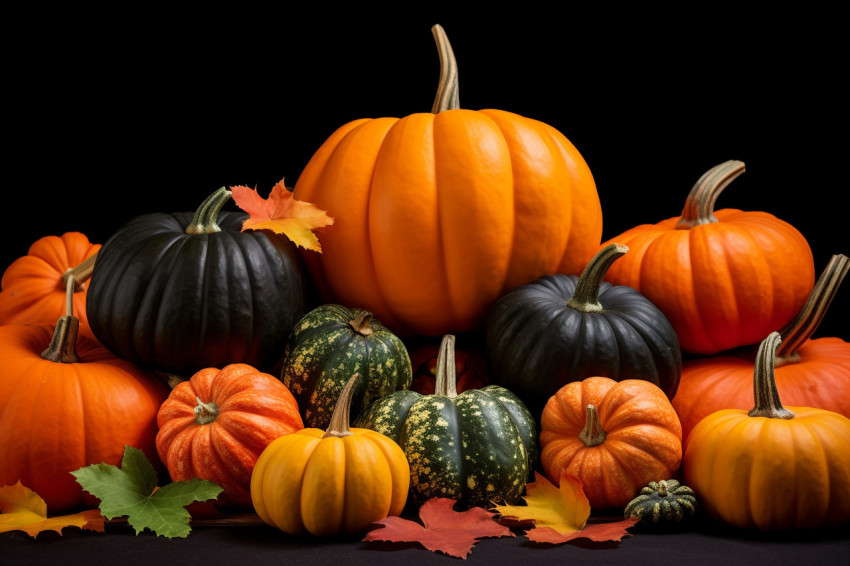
{"x": 560, "y": 514}
{"x": 22, "y": 509}
{"x": 282, "y": 214}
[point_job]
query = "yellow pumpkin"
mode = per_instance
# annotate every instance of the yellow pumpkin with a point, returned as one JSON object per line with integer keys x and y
{"x": 330, "y": 482}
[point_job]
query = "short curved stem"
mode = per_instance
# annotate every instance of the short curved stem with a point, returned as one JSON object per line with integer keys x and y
{"x": 586, "y": 296}
{"x": 448, "y": 89}
{"x": 662, "y": 488}
{"x": 338, "y": 426}
{"x": 592, "y": 433}
{"x": 63, "y": 343}
{"x": 445, "y": 382}
{"x": 205, "y": 413}
{"x": 205, "y": 220}
{"x": 699, "y": 206}
{"x": 362, "y": 323}
{"x": 765, "y": 395}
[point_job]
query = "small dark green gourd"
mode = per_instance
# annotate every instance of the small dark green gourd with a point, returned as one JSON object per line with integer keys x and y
{"x": 662, "y": 503}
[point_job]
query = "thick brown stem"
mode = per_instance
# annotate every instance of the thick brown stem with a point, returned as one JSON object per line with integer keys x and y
{"x": 699, "y": 206}
{"x": 81, "y": 273}
{"x": 339, "y": 424}
{"x": 448, "y": 90}
{"x": 592, "y": 433}
{"x": 662, "y": 488}
{"x": 445, "y": 382}
{"x": 765, "y": 395}
{"x": 63, "y": 344}
{"x": 205, "y": 413}
{"x": 796, "y": 332}
{"x": 362, "y": 323}
{"x": 205, "y": 220}
{"x": 586, "y": 296}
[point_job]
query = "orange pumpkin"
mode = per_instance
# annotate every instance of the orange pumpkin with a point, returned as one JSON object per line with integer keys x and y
{"x": 215, "y": 425}
{"x": 771, "y": 468}
{"x": 723, "y": 278}
{"x": 615, "y": 437}
{"x": 808, "y": 372}
{"x": 67, "y": 402}
{"x": 438, "y": 214}
{"x": 33, "y": 286}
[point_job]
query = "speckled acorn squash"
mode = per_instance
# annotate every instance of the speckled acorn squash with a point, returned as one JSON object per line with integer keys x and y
{"x": 329, "y": 345}
{"x": 477, "y": 447}
{"x": 662, "y": 503}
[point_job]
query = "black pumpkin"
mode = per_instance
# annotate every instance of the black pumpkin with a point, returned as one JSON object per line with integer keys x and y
{"x": 562, "y": 328}
{"x": 181, "y": 292}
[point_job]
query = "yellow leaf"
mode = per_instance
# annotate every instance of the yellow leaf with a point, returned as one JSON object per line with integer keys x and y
{"x": 22, "y": 509}
{"x": 282, "y": 214}
{"x": 565, "y": 509}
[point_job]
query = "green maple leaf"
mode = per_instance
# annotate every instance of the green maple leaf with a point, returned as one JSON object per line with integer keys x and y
{"x": 131, "y": 491}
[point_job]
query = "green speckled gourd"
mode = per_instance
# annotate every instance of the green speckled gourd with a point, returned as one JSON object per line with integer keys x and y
{"x": 662, "y": 503}
{"x": 477, "y": 447}
{"x": 330, "y": 344}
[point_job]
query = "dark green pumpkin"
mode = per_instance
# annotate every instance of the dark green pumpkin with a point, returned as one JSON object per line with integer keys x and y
{"x": 329, "y": 345}
{"x": 562, "y": 328}
{"x": 181, "y": 292}
{"x": 478, "y": 446}
{"x": 662, "y": 503}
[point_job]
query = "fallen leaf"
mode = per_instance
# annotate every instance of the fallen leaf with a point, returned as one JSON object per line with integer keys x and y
{"x": 445, "y": 530}
{"x": 22, "y": 509}
{"x": 282, "y": 214}
{"x": 131, "y": 491}
{"x": 560, "y": 514}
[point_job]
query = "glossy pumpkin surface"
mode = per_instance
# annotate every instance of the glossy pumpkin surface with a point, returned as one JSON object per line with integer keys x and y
{"x": 215, "y": 425}
{"x": 614, "y": 436}
{"x": 723, "y": 278}
{"x": 33, "y": 286}
{"x": 483, "y": 200}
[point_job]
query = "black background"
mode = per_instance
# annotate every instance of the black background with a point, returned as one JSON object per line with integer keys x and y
{"x": 114, "y": 114}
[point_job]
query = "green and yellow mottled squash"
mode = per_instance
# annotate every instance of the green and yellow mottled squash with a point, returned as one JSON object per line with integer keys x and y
{"x": 329, "y": 345}
{"x": 477, "y": 447}
{"x": 665, "y": 502}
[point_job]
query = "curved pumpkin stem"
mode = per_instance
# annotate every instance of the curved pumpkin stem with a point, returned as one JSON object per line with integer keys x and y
{"x": 445, "y": 382}
{"x": 766, "y": 396}
{"x": 362, "y": 323}
{"x": 699, "y": 206}
{"x": 205, "y": 413}
{"x": 63, "y": 344}
{"x": 796, "y": 332}
{"x": 339, "y": 423}
{"x": 205, "y": 220}
{"x": 448, "y": 90}
{"x": 586, "y": 296}
{"x": 592, "y": 433}
{"x": 80, "y": 273}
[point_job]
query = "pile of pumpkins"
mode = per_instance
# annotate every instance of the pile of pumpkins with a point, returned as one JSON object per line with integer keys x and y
{"x": 325, "y": 390}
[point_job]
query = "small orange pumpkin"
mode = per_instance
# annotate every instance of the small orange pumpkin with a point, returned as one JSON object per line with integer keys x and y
{"x": 33, "y": 286}
{"x": 615, "y": 437}
{"x": 215, "y": 425}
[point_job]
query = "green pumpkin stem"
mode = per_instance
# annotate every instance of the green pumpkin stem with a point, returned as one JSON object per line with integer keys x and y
{"x": 80, "y": 274}
{"x": 362, "y": 323}
{"x": 796, "y": 332}
{"x": 448, "y": 95}
{"x": 766, "y": 396}
{"x": 339, "y": 423}
{"x": 205, "y": 220}
{"x": 586, "y": 296}
{"x": 699, "y": 206}
{"x": 592, "y": 433}
{"x": 445, "y": 382}
{"x": 63, "y": 343}
{"x": 205, "y": 413}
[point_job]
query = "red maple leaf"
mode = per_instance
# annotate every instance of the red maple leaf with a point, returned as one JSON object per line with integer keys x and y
{"x": 445, "y": 530}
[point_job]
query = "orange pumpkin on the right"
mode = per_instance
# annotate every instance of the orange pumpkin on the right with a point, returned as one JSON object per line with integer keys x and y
{"x": 723, "y": 278}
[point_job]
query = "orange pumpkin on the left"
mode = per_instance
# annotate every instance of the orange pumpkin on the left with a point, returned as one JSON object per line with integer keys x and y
{"x": 215, "y": 425}
{"x": 33, "y": 286}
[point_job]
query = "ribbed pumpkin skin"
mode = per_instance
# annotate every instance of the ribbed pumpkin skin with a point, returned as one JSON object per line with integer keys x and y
{"x": 537, "y": 344}
{"x": 180, "y": 303}
{"x": 820, "y": 379}
{"x": 643, "y": 439}
{"x": 477, "y": 447}
{"x": 721, "y": 285}
{"x": 304, "y": 483}
{"x": 324, "y": 351}
{"x": 58, "y": 417}
{"x": 253, "y": 409}
{"x": 772, "y": 474}
{"x": 484, "y": 200}
{"x": 32, "y": 287}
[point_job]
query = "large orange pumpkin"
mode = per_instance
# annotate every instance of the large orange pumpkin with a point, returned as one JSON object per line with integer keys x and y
{"x": 723, "y": 278}
{"x": 33, "y": 286}
{"x": 808, "y": 372}
{"x": 437, "y": 214}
